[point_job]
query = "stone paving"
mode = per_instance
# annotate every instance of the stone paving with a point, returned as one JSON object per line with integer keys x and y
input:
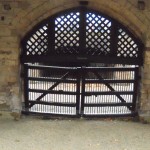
{"x": 32, "y": 133}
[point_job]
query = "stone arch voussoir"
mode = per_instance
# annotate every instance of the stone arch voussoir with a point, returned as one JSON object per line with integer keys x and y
{"x": 118, "y": 11}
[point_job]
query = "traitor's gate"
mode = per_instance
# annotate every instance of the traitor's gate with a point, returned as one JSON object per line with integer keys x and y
{"x": 81, "y": 63}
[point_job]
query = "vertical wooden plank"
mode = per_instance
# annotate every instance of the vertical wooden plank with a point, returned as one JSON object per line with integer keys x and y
{"x": 136, "y": 84}
{"x": 26, "y": 92}
{"x": 83, "y": 71}
{"x": 114, "y": 39}
{"x": 82, "y": 31}
{"x": 51, "y": 36}
{"x": 78, "y": 92}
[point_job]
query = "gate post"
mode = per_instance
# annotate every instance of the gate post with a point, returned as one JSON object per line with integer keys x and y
{"x": 83, "y": 74}
{"x": 78, "y": 92}
{"x": 136, "y": 88}
{"x": 26, "y": 82}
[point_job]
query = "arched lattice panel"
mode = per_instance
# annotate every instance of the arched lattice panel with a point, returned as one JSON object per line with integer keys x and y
{"x": 98, "y": 33}
{"x": 67, "y": 33}
{"x": 37, "y": 44}
{"x": 126, "y": 46}
{"x": 81, "y": 35}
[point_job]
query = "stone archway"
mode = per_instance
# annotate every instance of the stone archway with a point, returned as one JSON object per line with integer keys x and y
{"x": 79, "y": 36}
{"x": 32, "y": 13}
{"x": 119, "y": 11}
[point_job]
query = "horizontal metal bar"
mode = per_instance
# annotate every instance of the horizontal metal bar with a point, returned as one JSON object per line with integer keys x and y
{"x": 87, "y": 81}
{"x": 106, "y": 104}
{"x": 52, "y": 92}
{"x": 109, "y": 93}
{"x": 54, "y": 103}
{"x": 52, "y": 80}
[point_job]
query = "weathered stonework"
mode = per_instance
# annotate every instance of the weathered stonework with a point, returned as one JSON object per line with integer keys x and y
{"x": 23, "y": 15}
{"x": 144, "y": 110}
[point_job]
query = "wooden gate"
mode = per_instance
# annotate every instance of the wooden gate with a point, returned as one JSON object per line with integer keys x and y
{"x": 81, "y": 91}
{"x": 58, "y": 58}
{"x": 109, "y": 91}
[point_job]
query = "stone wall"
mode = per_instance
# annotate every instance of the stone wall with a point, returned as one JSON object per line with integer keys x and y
{"x": 145, "y": 88}
{"x": 17, "y": 17}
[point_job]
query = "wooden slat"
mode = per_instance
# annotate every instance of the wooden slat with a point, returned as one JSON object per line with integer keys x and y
{"x": 106, "y": 104}
{"x": 53, "y": 103}
{"x": 45, "y": 92}
{"x": 52, "y": 80}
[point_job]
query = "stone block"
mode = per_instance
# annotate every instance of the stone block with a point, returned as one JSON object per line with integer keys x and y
{"x": 10, "y": 115}
{"x": 8, "y": 45}
{"x": 144, "y": 96}
{"x": 5, "y": 32}
{"x": 145, "y": 105}
{"x": 146, "y": 81}
{"x": 24, "y": 4}
{"x": 5, "y": 52}
{"x": 4, "y": 99}
{"x": 4, "y": 106}
{"x": 13, "y": 39}
{"x": 5, "y": 114}
{"x": 146, "y": 69}
{"x": 146, "y": 86}
{"x": 147, "y": 52}
{"x": 147, "y": 62}
{"x": 143, "y": 90}
{"x": 148, "y": 93}
{"x": 144, "y": 119}
{"x": 8, "y": 56}
{"x": 144, "y": 116}
{"x": 16, "y": 115}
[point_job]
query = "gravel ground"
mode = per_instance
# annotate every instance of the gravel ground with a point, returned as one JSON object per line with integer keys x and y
{"x": 32, "y": 133}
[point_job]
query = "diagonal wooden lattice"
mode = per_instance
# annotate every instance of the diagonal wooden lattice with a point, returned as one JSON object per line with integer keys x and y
{"x": 67, "y": 33}
{"x": 38, "y": 42}
{"x": 126, "y": 45}
{"x": 97, "y": 34}
{"x": 82, "y": 33}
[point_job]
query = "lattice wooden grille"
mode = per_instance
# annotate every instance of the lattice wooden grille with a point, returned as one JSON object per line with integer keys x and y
{"x": 67, "y": 33}
{"x": 97, "y": 34}
{"x": 38, "y": 42}
{"x": 82, "y": 32}
{"x": 126, "y": 45}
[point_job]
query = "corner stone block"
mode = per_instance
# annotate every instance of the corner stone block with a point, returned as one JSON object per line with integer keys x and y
{"x": 144, "y": 116}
